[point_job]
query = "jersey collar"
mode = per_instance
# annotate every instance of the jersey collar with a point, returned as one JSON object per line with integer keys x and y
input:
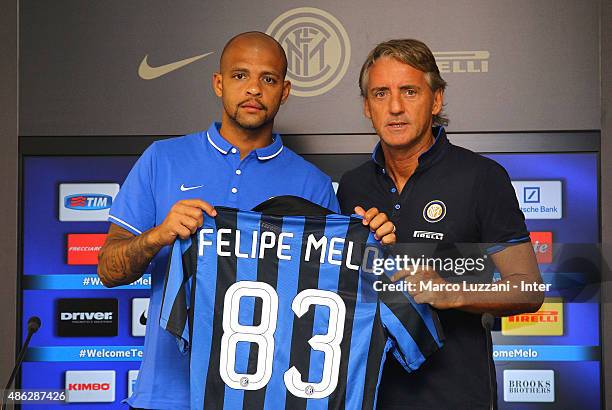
{"x": 223, "y": 146}
{"x": 427, "y": 158}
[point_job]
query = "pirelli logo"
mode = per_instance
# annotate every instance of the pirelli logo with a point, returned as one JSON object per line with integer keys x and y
{"x": 428, "y": 235}
{"x": 548, "y": 321}
{"x": 462, "y": 61}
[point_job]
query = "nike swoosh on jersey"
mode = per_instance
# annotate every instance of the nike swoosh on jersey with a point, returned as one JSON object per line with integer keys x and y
{"x": 189, "y": 188}
{"x": 146, "y": 72}
{"x": 143, "y": 319}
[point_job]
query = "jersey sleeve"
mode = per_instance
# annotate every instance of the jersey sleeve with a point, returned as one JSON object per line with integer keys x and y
{"x": 413, "y": 329}
{"x": 176, "y": 298}
{"x": 134, "y": 206}
{"x": 500, "y": 220}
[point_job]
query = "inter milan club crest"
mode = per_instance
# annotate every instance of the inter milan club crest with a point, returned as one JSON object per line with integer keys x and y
{"x": 317, "y": 46}
{"x": 434, "y": 211}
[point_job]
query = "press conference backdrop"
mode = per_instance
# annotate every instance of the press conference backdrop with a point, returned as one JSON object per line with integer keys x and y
{"x": 104, "y": 67}
{"x": 143, "y": 68}
{"x": 91, "y": 339}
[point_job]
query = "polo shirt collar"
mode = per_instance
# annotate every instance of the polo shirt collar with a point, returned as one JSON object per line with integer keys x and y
{"x": 427, "y": 158}
{"x": 223, "y": 146}
{"x": 271, "y": 150}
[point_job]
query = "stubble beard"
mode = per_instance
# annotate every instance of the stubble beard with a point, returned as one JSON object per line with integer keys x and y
{"x": 250, "y": 125}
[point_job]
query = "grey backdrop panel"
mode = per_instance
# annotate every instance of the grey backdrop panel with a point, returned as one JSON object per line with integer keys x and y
{"x": 79, "y": 63}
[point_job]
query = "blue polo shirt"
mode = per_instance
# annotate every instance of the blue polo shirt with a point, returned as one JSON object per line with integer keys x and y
{"x": 202, "y": 165}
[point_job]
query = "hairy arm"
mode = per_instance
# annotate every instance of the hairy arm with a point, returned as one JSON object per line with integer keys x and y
{"x": 516, "y": 264}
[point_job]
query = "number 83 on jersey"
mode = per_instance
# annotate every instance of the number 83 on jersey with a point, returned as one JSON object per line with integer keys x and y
{"x": 263, "y": 336}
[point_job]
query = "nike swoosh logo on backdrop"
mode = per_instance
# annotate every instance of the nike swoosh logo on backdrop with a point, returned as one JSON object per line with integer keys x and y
{"x": 146, "y": 72}
{"x": 189, "y": 188}
{"x": 143, "y": 319}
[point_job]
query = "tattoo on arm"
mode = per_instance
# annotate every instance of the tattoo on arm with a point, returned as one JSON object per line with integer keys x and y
{"x": 124, "y": 257}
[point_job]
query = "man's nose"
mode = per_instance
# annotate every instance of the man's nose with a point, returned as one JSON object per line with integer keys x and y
{"x": 253, "y": 88}
{"x": 395, "y": 104}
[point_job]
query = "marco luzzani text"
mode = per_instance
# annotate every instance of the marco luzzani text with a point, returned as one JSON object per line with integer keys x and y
{"x": 458, "y": 266}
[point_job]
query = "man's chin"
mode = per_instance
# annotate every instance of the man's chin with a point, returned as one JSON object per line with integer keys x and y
{"x": 250, "y": 124}
{"x": 398, "y": 141}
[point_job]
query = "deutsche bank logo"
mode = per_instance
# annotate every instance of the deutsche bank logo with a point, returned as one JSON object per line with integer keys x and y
{"x": 317, "y": 46}
{"x": 531, "y": 194}
{"x": 540, "y": 199}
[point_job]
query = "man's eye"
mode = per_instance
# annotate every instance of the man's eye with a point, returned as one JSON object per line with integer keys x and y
{"x": 379, "y": 94}
{"x": 269, "y": 80}
{"x": 239, "y": 76}
{"x": 411, "y": 92}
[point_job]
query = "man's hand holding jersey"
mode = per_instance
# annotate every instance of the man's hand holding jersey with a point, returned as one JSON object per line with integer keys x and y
{"x": 183, "y": 220}
{"x": 379, "y": 223}
{"x": 421, "y": 294}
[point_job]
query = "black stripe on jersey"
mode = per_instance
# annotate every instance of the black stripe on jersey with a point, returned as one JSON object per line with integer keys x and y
{"x": 410, "y": 319}
{"x": 376, "y": 351}
{"x": 214, "y": 387}
{"x": 267, "y": 271}
{"x": 303, "y": 327}
{"x": 192, "y": 262}
{"x": 179, "y": 311}
{"x": 347, "y": 289}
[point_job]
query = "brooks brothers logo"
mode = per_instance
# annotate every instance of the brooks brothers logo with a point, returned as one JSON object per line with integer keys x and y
{"x": 317, "y": 46}
{"x": 434, "y": 211}
{"x": 146, "y": 72}
{"x": 462, "y": 61}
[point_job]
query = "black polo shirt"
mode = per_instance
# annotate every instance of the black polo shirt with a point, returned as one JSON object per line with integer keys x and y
{"x": 455, "y": 196}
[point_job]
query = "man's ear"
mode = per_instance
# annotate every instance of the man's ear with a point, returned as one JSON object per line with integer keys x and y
{"x": 438, "y": 102}
{"x": 366, "y": 108}
{"x": 217, "y": 84}
{"x": 286, "y": 90}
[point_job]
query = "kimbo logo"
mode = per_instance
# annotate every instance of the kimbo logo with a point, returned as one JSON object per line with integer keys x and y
{"x": 90, "y": 386}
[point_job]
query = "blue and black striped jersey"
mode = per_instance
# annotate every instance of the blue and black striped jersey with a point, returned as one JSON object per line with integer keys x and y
{"x": 279, "y": 312}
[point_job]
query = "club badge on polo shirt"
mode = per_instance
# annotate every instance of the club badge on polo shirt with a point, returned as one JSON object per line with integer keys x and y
{"x": 434, "y": 211}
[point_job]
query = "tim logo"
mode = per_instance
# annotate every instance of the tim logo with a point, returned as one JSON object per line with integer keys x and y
{"x": 462, "y": 61}
{"x": 317, "y": 46}
{"x": 88, "y": 202}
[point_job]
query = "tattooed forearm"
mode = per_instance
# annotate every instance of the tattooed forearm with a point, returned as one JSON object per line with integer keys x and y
{"x": 124, "y": 257}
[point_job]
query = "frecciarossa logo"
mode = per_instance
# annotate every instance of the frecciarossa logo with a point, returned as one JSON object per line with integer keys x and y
{"x": 88, "y": 202}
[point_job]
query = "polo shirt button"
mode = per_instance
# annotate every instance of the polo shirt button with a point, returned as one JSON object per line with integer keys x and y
{"x": 234, "y": 190}
{"x": 238, "y": 172}
{"x": 233, "y": 150}
{"x": 384, "y": 171}
{"x": 397, "y": 206}
{"x": 393, "y": 190}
